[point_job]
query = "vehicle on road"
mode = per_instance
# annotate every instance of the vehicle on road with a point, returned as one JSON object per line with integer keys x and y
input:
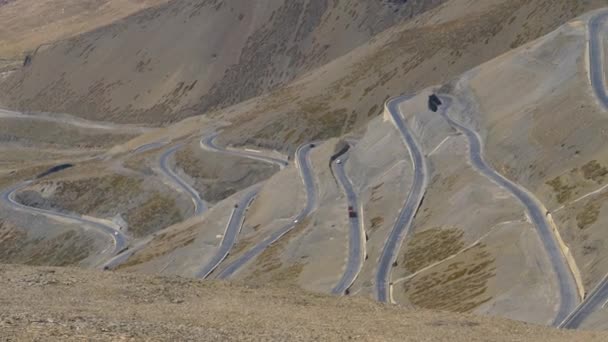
{"x": 434, "y": 102}
{"x": 351, "y": 211}
{"x": 338, "y": 161}
{"x": 295, "y": 221}
{"x": 312, "y": 145}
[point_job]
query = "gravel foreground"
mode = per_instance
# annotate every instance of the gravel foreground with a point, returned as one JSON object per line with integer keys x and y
{"x": 63, "y": 304}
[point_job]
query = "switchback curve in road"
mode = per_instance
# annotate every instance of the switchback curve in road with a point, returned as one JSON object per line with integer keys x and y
{"x": 8, "y": 197}
{"x": 303, "y": 163}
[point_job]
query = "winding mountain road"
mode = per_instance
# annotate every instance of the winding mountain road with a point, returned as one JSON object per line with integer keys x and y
{"x": 356, "y": 241}
{"x": 303, "y": 163}
{"x": 233, "y": 229}
{"x": 404, "y": 221}
{"x": 596, "y": 61}
{"x": 8, "y": 197}
{"x": 236, "y": 219}
{"x": 595, "y": 300}
{"x": 208, "y": 143}
{"x": 568, "y": 292}
{"x": 199, "y": 205}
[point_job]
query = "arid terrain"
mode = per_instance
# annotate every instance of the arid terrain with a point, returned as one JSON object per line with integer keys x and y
{"x": 71, "y": 305}
{"x": 445, "y": 158}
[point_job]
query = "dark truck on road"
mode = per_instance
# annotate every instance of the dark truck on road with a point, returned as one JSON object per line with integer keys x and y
{"x": 351, "y": 211}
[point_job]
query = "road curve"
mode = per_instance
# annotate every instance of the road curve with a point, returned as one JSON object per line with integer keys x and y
{"x": 230, "y": 236}
{"x": 567, "y": 285}
{"x": 303, "y": 163}
{"x": 208, "y": 143}
{"x": 199, "y": 205}
{"x": 596, "y": 299}
{"x": 8, "y": 196}
{"x": 356, "y": 241}
{"x": 596, "y": 65}
{"x": 404, "y": 221}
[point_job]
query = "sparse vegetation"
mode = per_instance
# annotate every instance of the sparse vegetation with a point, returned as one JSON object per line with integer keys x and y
{"x": 458, "y": 286}
{"x": 65, "y": 249}
{"x": 163, "y": 244}
{"x": 432, "y": 245}
{"x": 157, "y": 212}
{"x": 377, "y": 222}
{"x": 588, "y": 215}
{"x": 594, "y": 171}
{"x": 563, "y": 192}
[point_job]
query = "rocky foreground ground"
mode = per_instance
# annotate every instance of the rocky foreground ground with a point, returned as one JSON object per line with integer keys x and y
{"x": 63, "y": 304}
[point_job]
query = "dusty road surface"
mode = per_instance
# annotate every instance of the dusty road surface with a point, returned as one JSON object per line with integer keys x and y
{"x": 62, "y": 304}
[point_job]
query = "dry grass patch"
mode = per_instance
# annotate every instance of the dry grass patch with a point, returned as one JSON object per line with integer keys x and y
{"x": 588, "y": 215}
{"x": 563, "y": 191}
{"x": 161, "y": 245}
{"x": 65, "y": 249}
{"x": 160, "y": 209}
{"x": 594, "y": 171}
{"x": 458, "y": 285}
{"x": 432, "y": 245}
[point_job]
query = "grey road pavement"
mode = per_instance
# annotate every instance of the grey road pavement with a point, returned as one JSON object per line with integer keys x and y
{"x": 356, "y": 240}
{"x": 597, "y": 32}
{"x": 568, "y": 292}
{"x": 199, "y": 205}
{"x": 595, "y": 301}
{"x": 303, "y": 162}
{"x": 149, "y": 146}
{"x": 8, "y": 197}
{"x": 231, "y": 234}
{"x": 208, "y": 143}
{"x": 597, "y": 27}
{"x": 402, "y": 226}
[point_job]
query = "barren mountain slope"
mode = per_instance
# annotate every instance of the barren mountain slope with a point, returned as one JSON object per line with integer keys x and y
{"x": 188, "y": 56}
{"x": 474, "y": 245}
{"x": 27, "y": 24}
{"x": 431, "y": 49}
{"x": 68, "y": 304}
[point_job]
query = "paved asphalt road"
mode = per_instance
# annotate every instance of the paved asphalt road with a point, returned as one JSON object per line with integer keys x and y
{"x": 357, "y": 235}
{"x": 199, "y": 205}
{"x": 233, "y": 230}
{"x": 8, "y": 196}
{"x": 596, "y": 299}
{"x": 404, "y": 221}
{"x": 149, "y": 146}
{"x": 302, "y": 156}
{"x": 567, "y": 286}
{"x": 596, "y": 63}
{"x": 208, "y": 143}
{"x": 125, "y": 254}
